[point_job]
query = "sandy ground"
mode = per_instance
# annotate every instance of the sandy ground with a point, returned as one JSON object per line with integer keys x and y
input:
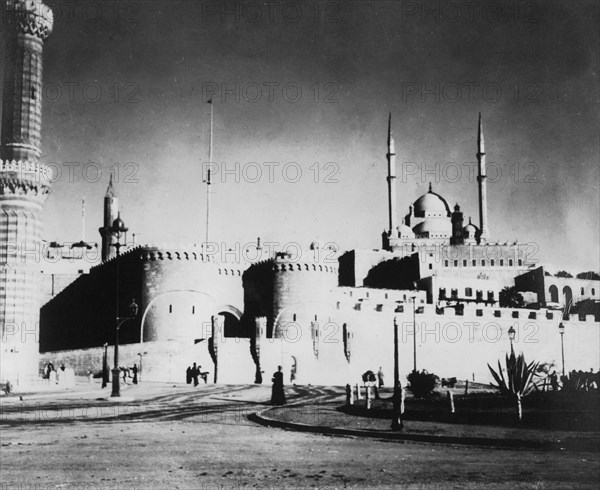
{"x": 168, "y": 437}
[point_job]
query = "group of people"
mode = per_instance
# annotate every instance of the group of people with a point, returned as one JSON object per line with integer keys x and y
{"x": 64, "y": 376}
{"x": 131, "y": 373}
{"x": 193, "y": 373}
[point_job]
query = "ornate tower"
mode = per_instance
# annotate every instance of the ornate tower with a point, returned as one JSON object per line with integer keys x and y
{"x": 457, "y": 226}
{"x": 481, "y": 179}
{"x": 24, "y": 186}
{"x": 111, "y": 212}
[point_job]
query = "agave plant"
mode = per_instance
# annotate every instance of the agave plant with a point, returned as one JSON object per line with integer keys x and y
{"x": 519, "y": 378}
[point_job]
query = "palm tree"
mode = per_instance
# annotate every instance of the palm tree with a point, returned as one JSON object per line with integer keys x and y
{"x": 519, "y": 378}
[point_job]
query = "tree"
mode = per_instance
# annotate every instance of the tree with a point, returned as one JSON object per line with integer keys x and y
{"x": 563, "y": 274}
{"x": 590, "y": 275}
{"x": 519, "y": 378}
{"x": 510, "y": 297}
{"x": 422, "y": 383}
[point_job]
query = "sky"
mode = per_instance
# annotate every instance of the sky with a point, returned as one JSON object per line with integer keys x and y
{"x": 301, "y": 93}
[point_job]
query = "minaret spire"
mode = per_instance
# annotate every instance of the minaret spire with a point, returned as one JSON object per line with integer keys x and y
{"x": 111, "y": 212}
{"x": 481, "y": 179}
{"x": 207, "y": 181}
{"x": 391, "y": 177}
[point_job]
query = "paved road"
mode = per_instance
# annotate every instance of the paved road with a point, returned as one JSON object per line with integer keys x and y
{"x": 181, "y": 437}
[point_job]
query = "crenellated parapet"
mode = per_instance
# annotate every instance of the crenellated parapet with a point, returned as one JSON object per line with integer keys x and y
{"x": 31, "y": 16}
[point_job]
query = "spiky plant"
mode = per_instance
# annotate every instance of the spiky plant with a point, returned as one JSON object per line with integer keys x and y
{"x": 519, "y": 378}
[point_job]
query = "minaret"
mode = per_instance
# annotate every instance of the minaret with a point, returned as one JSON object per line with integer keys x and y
{"x": 391, "y": 178}
{"x": 24, "y": 187}
{"x": 481, "y": 178}
{"x": 111, "y": 212}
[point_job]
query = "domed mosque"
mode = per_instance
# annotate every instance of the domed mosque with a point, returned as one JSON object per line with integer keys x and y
{"x": 429, "y": 218}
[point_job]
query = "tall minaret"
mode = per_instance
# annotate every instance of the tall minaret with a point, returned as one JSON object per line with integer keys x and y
{"x": 391, "y": 178}
{"x": 24, "y": 187}
{"x": 481, "y": 178}
{"x": 111, "y": 211}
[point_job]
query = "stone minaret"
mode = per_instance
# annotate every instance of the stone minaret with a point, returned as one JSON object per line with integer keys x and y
{"x": 391, "y": 178}
{"x": 24, "y": 186}
{"x": 481, "y": 178}
{"x": 111, "y": 212}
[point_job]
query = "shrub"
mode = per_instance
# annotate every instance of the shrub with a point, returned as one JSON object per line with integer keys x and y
{"x": 422, "y": 383}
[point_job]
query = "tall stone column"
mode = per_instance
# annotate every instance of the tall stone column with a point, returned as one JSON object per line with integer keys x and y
{"x": 24, "y": 186}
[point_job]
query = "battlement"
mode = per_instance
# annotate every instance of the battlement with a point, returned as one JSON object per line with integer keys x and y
{"x": 469, "y": 312}
{"x": 290, "y": 266}
{"x": 152, "y": 253}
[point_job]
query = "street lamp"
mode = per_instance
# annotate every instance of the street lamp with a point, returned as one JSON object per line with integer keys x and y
{"x": 561, "y": 330}
{"x": 397, "y": 397}
{"x": 133, "y": 309}
{"x": 414, "y": 298}
{"x": 511, "y": 335}
{"x": 105, "y": 366}
{"x": 141, "y": 354}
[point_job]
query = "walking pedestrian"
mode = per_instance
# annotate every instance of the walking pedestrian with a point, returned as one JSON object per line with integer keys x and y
{"x": 278, "y": 394}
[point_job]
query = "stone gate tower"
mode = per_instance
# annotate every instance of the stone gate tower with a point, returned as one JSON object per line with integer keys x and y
{"x": 24, "y": 186}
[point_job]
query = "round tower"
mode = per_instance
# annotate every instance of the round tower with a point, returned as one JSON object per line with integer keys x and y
{"x": 301, "y": 290}
{"x": 24, "y": 186}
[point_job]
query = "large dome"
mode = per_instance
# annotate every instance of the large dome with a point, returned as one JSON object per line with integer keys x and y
{"x": 431, "y": 205}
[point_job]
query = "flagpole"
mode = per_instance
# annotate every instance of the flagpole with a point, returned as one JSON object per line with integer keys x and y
{"x": 83, "y": 219}
{"x": 210, "y": 148}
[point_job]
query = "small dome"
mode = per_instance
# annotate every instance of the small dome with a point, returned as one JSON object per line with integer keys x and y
{"x": 470, "y": 230}
{"x": 434, "y": 228}
{"x": 118, "y": 224}
{"x": 431, "y": 204}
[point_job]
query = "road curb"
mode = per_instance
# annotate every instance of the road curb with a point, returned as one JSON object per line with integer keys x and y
{"x": 574, "y": 444}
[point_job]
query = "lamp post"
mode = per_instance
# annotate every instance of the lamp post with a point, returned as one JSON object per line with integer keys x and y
{"x": 141, "y": 354}
{"x": 118, "y": 228}
{"x": 397, "y": 397}
{"x": 561, "y": 330}
{"x": 133, "y": 309}
{"x": 105, "y": 366}
{"x": 511, "y": 335}
{"x": 414, "y": 298}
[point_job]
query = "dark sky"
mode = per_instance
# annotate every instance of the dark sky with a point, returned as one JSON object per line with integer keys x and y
{"x": 530, "y": 68}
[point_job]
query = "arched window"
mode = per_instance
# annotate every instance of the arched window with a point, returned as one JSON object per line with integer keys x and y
{"x": 553, "y": 290}
{"x": 170, "y": 308}
{"x": 582, "y": 291}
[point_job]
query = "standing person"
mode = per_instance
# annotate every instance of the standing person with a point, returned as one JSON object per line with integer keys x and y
{"x": 195, "y": 373}
{"x": 277, "y": 393}
{"x": 188, "y": 375}
{"x": 380, "y": 377}
{"x": 554, "y": 381}
{"x": 135, "y": 373}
